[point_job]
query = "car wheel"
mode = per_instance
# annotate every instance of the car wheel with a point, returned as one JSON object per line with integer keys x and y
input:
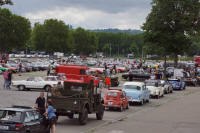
{"x": 83, "y": 117}
{"x": 142, "y": 102}
{"x": 127, "y": 107}
{"x": 100, "y": 113}
{"x": 21, "y": 87}
{"x": 47, "y": 88}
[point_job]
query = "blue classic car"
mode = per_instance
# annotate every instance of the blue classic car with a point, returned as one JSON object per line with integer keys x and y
{"x": 177, "y": 84}
{"x": 136, "y": 92}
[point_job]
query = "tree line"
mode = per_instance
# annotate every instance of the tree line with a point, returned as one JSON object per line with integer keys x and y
{"x": 171, "y": 28}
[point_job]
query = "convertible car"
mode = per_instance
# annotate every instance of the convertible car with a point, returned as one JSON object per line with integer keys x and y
{"x": 177, "y": 84}
{"x": 155, "y": 88}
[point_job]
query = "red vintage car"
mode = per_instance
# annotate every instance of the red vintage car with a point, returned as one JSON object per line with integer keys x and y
{"x": 116, "y": 99}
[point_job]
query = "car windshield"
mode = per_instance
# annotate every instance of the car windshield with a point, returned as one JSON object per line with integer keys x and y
{"x": 113, "y": 94}
{"x": 132, "y": 87}
{"x": 150, "y": 83}
{"x": 7, "y": 115}
{"x": 173, "y": 81}
{"x": 51, "y": 79}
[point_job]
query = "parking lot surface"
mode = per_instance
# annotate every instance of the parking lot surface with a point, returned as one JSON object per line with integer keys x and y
{"x": 174, "y": 113}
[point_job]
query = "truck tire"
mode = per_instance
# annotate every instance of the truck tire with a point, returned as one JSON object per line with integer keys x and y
{"x": 83, "y": 117}
{"x": 100, "y": 113}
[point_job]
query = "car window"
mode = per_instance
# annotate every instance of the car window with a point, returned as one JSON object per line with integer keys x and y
{"x": 36, "y": 115}
{"x": 143, "y": 87}
{"x": 30, "y": 79}
{"x": 82, "y": 72}
{"x": 7, "y": 115}
{"x": 29, "y": 116}
{"x": 132, "y": 87}
{"x": 114, "y": 94}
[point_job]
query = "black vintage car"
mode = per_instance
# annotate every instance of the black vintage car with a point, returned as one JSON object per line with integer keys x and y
{"x": 18, "y": 119}
{"x": 189, "y": 80}
{"x": 114, "y": 81}
{"x": 136, "y": 75}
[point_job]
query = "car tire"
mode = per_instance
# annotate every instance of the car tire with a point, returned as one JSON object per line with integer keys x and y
{"x": 47, "y": 88}
{"x": 21, "y": 87}
{"x": 142, "y": 102}
{"x": 99, "y": 115}
{"x": 83, "y": 117}
{"x": 127, "y": 107}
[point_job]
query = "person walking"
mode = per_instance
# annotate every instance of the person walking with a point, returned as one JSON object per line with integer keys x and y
{"x": 20, "y": 68}
{"x": 9, "y": 78}
{"x": 49, "y": 70}
{"x": 40, "y": 103}
{"x": 50, "y": 113}
{"x": 5, "y": 76}
{"x": 108, "y": 82}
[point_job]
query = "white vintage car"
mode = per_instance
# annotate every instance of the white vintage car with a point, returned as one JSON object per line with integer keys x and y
{"x": 155, "y": 88}
{"x": 34, "y": 83}
{"x": 168, "y": 88}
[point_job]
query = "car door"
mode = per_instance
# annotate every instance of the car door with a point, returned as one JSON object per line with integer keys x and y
{"x": 123, "y": 98}
{"x": 39, "y": 122}
{"x": 30, "y": 123}
{"x": 144, "y": 92}
{"x": 29, "y": 83}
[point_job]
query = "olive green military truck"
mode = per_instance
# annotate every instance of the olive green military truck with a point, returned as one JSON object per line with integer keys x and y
{"x": 77, "y": 99}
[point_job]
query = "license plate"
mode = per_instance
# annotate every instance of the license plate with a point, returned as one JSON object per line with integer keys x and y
{"x": 109, "y": 103}
{"x": 4, "y": 127}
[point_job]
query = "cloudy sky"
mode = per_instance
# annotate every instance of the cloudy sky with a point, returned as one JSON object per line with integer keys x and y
{"x": 89, "y": 14}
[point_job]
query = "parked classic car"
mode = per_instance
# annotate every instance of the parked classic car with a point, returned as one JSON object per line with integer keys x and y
{"x": 155, "y": 88}
{"x": 18, "y": 119}
{"x": 136, "y": 75}
{"x": 168, "y": 88}
{"x": 34, "y": 83}
{"x": 136, "y": 92}
{"x": 189, "y": 80}
{"x": 178, "y": 84}
{"x": 116, "y": 99}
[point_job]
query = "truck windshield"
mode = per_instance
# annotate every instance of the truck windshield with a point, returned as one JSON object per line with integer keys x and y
{"x": 76, "y": 88}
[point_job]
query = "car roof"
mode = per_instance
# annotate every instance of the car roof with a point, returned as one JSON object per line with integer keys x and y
{"x": 17, "y": 109}
{"x": 134, "y": 83}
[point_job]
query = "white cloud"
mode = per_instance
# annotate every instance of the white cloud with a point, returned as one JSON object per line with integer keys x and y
{"x": 91, "y": 18}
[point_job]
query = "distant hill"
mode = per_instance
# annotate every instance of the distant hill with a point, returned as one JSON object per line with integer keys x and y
{"x": 129, "y": 31}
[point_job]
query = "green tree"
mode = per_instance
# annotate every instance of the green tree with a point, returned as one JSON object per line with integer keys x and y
{"x": 5, "y": 2}
{"x": 14, "y": 31}
{"x": 171, "y": 24}
{"x": 52, "y": 36}
{"x": 85, "y": 42}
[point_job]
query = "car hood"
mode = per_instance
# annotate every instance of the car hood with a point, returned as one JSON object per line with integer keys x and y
{"x": 153, "y": 88}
